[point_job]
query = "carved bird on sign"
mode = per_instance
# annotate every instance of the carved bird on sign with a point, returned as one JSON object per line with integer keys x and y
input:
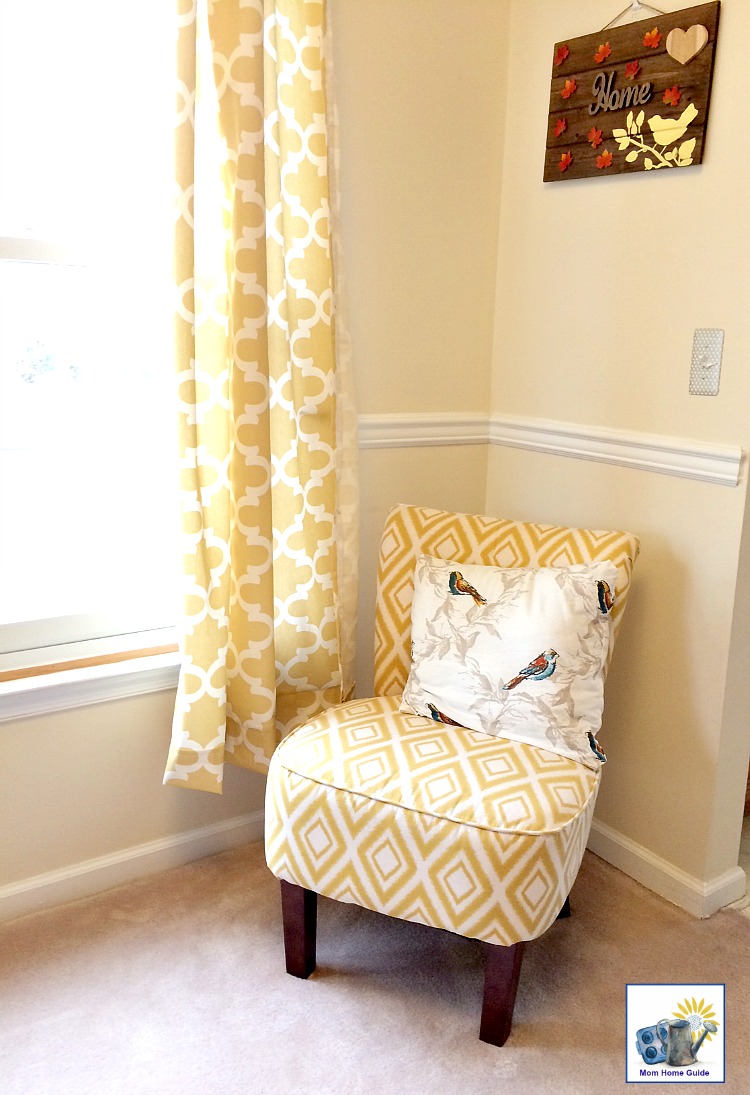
{"x": 459, "y": 585}
{"x": 667, "y": 130}
{"x": 538, "y": 670}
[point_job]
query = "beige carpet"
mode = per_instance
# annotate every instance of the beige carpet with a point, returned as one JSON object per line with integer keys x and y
{"x": 175, "y": 984}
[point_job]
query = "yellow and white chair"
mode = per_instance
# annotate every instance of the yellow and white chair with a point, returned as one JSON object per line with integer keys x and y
{"x": 428, "y": 821}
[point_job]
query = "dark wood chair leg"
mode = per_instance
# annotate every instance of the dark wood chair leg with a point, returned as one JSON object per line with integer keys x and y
{"x": 564, "y": 912}
{"x": 502, "y": 969}
{"x": 299, "y": 908}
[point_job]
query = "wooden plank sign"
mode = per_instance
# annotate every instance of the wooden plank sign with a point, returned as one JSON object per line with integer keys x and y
{"x": 633, "y": 98}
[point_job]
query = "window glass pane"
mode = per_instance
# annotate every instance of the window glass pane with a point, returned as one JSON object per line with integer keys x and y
{"x": 87, "y": 450}
{"x": 87, "y": 474}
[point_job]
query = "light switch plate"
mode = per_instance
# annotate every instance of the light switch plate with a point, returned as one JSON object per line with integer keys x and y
{"x": 705, "y": 367}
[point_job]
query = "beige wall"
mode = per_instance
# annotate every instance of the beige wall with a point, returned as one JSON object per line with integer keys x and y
{"x": 600, "y": 285}
{"x": 602, "y": 282}
{"x": 86, "y": 783}
{"x": 420, "y": 98}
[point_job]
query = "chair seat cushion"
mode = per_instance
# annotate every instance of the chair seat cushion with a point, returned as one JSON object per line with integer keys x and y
{"x": 446, "y": 826}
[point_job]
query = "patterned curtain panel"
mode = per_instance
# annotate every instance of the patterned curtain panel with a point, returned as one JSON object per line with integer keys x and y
{"x": 263, "y": 521}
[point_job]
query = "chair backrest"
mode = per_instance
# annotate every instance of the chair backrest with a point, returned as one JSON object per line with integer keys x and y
{"x": 411, "y": 531}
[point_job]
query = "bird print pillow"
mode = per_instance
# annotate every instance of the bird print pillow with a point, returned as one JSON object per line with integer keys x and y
{"x": 518, "y": 653}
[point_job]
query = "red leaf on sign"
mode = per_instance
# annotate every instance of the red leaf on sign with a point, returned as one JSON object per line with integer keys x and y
{"x": 602, "y": 53}
{"x": 595, "y": 137}
{"x": 605, "y": 160}
{"x": 632, "y": 68}
{"x": 565, "y": 161}
{"x": 561, "y": 54}
{"x": 672, "y": 96}
{"x": 560, "y": 126}
{"x": 652, "y": 38}
{"x": 570, "y": 89}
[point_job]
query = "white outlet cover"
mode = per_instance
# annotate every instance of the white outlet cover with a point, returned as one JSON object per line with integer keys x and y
{"x": 705, "y": 366}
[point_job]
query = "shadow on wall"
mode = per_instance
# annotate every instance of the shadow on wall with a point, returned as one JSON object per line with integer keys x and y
{"x": 652, "y": 720}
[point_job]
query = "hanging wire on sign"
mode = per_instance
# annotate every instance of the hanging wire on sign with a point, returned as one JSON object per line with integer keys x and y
{"x": 632, "y": 14}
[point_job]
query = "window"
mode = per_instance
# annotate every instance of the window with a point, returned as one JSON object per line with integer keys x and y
{"x": 87, "y": 453}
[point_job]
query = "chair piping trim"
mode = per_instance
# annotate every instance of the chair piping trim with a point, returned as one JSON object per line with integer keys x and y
{"x": 444, "y": 817}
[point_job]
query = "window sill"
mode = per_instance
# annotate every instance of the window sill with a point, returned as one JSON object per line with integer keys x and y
{"x": 70, "y": 688}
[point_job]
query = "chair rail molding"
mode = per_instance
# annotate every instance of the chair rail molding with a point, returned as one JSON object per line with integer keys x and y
{"x": 712, "y": 463}
{"x": 686, "y": 458}
{"x": 407, "y": 431}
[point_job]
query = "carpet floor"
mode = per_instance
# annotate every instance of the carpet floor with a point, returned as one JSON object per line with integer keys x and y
{"x": 175, "y": 985}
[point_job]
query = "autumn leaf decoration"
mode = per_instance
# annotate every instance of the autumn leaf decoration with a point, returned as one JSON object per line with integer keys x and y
{"x": 560, "y": 126}
{"x": 561, "y": 54}
{"x": 632, "y": 68}
{"x": 672, "y": 96}
{"x": 565, "y": 161}
{"x": 652, "y": 38}
{"x": 602, "y": 53}
{"x": 594, "y": 137}
{"x": 605, "y": 160}
{"x": 571, "y": 87}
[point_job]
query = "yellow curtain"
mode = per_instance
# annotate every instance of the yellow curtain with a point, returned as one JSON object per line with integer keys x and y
{"x": 255, "y": 346}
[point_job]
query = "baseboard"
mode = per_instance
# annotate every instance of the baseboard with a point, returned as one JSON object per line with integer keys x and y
{"x": 104, "y": 872}
{"x": 701, "y": 899}
{"x": 92, "y": 876}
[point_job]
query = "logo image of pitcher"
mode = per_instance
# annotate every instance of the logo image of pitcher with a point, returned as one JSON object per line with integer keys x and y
{"x": 675, "y": 1042}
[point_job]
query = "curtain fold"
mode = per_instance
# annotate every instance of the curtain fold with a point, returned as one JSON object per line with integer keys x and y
{"x": 261, "y": 436}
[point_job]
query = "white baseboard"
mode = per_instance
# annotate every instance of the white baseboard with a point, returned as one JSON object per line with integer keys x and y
{"x": 102, "y": 873}
{"x": 701, "y": 899}
{"x": 92, "y": 876}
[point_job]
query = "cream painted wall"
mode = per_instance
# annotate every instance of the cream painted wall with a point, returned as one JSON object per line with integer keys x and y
{"x": 420, "y": 98}
{"x": 87, "y": 782}
{"x": 600, "y": 285}
{"x": 602, "y": 282}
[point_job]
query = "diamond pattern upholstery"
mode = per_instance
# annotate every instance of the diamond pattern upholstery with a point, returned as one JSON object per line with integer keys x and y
{"x": 445, "y": 826}
{"x": 423, "y": 821}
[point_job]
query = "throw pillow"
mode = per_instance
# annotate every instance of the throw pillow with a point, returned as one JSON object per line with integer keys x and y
{"x": 519, "y": 653}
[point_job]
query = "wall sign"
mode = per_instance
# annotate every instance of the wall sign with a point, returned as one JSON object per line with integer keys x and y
{"x": 632, "y": 98}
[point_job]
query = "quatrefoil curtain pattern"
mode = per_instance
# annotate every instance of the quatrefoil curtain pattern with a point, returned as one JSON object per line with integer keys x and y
{"x": 267, "y": 631}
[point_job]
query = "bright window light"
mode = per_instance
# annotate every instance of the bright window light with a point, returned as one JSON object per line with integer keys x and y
{"x": 88, "y": 512}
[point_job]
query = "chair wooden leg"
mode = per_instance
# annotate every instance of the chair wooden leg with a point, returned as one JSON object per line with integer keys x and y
{"x": 502, "y": 969}
{"x": 564, "y": 912}
{"x": 299, "y": 909}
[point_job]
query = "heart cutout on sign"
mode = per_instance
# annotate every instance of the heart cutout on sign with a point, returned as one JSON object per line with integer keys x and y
{"x": 684, "y": 45}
